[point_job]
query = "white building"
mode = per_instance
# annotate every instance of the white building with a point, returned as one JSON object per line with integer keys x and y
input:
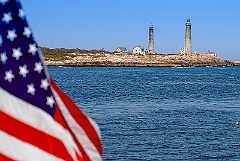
{"x": 138, "y": 50}
{"x": 182, "y": 50}
{"x": 211, "y": 53}
{"x": 121, "y": 49}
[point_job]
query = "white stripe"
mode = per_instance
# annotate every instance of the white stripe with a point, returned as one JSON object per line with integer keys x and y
{"x": 22, "y": 151}
{"x": 80, "y": 134}
{"x": 37, "y": 118}
{"x": 94, "y": 124}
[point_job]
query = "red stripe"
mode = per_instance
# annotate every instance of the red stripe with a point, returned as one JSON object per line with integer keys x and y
{"x": 84, "y": 154}
{"x": 80, "y": 118}
{"x": 59, "y": 118}
{"x": 33, "y": 136}
{"x": 79, "y": 157}
{"x": 5, "y": 158}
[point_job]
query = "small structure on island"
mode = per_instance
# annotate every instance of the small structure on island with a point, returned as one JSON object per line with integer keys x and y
{"x": 138, "y": 50}
{"x": 121, "y": 49}
{"x": 211, "y": 53}
{"x": 188, "y": 40}
{"x": 182, "y": 50}
{"x": 151, "y": 40}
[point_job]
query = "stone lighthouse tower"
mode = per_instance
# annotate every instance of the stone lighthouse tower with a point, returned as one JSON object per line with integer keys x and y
{"x": 151, "y": 40}
{"x": 188, "y": 40}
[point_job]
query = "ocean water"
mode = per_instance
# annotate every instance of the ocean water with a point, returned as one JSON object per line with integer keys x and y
{"x": 159, "y": 113}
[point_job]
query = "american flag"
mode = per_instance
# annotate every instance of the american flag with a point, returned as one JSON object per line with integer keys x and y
{"x": 37, "y": 120}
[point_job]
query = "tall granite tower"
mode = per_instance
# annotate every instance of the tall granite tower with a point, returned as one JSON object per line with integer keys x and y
{"x": 188, "y": 40}
{"x": 151, "y": 40}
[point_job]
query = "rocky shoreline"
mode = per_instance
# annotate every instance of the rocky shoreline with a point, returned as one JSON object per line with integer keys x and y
{"x": 133, "y": 60}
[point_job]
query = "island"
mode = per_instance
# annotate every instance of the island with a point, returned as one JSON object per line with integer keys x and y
{"x": 79, "y": 57}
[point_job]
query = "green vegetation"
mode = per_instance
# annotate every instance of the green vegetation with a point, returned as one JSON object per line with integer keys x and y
{"x": 63, "y": 53}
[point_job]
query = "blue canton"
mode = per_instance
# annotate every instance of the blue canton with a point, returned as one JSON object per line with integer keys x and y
{"x": 21, "y": 67}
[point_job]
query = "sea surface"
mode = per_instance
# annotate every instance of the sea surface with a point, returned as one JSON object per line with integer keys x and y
{"x": 159, "y": 113}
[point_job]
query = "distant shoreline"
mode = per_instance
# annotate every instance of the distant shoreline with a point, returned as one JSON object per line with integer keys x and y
{"x": 78, "y": 57}
{"x": 133, "y": 60}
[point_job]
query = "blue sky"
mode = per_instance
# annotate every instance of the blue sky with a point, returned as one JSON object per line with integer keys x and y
{"x": 108, "y": 24}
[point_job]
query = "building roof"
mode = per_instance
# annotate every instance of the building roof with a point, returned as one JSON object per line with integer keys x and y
{"x": 141, "y": 47}
{"x": 122, "y": 48}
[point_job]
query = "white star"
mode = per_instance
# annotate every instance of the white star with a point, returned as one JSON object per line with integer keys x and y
{"x": 1, "y": 40}
{"x": 32, "y": 48}
{"x": 17, "y": 53}
{"x": 7, "y": 17}
{"x": 23, "y": 70}
{"x": 50, "y": 101}
{"x": 38, "y": 67}
{"x": 9, "y": 76}
{"x": 44, "y": 84}
{"x": 21, "y": 13}
{"x": 27, "y": 32}
{"x": 11, "y": 35}
{"x": 3, "y": 1}
{"x": 3, "y": 57}
{"x": 31, "y": 89}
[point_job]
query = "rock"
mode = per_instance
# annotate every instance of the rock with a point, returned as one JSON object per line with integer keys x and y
{"x": 151, "y": 60}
